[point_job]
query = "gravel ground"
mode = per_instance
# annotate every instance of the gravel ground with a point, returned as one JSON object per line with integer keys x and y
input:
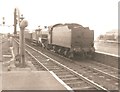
{"x": 6, "y": 51}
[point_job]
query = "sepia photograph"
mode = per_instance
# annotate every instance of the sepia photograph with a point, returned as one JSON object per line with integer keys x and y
{"x": 59, "y": 45}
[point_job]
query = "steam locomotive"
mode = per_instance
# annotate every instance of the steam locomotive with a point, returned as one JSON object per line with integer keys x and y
{"x": 70, "y": 39}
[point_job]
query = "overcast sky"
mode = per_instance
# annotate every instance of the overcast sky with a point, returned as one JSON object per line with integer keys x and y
{"x": 98, "y": 15}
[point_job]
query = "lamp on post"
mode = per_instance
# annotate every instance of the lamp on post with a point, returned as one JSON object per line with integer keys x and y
{"x": 23, "y": 24}
{"x": 3, "y": 20}
{"x": 21, "y": 18}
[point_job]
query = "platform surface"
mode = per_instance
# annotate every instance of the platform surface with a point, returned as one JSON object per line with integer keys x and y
{"x": 30, "y": 80}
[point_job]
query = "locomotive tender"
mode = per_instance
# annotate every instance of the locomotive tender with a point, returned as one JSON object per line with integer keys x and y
{"x": 71, "y": 39}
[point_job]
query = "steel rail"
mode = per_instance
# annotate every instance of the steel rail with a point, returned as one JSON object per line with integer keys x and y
{"x": 86, "y": 79}
{"x": 99, "y": 87}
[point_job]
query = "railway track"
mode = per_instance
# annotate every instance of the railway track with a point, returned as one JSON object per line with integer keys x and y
{"x": 108, "y": 70}
{"x": 75, "y": 80}
{"x": 102, "y": 74}
{"x": 38, "y": 66}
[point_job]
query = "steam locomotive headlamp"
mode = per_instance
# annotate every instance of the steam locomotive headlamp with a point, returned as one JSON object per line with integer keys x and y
{"x": 23, "y": 24}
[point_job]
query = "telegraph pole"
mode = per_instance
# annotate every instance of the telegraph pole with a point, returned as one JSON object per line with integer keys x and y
{"x": 15, "y": 21}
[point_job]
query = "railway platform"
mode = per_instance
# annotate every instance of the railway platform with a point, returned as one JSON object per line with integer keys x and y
{"x": 30, "y": 80}
{"x": 27, "y": 78}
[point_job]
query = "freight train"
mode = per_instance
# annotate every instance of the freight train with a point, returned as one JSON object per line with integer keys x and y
{"x": 38, "y": 36}
{"x": 68, "y": 39}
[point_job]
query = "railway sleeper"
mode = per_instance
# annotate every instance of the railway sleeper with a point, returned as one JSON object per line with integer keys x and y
{"x": 77, "y": 82}
{"x": 46, "y": 60}
{"x": 71, "y": 78}
{"x": 61, "y": 74}
{"x": 36, "y": 56}
{"x": 60, "y": 69}
{"x": 66, "y": 76}
{"x": 71, "y": 81}
{"x": 84, "y": 88}
{"x": 47, "y": 64}
{"x": 53, "y": 68}
{"x": 65, "y": 72}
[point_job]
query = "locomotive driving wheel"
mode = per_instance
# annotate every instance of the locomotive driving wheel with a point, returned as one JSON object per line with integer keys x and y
{"x": 65, "y": 52}
{"x": 70, "y": 55}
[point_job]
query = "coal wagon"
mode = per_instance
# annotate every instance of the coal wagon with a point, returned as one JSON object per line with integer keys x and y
{"x": 28, "y": 35}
